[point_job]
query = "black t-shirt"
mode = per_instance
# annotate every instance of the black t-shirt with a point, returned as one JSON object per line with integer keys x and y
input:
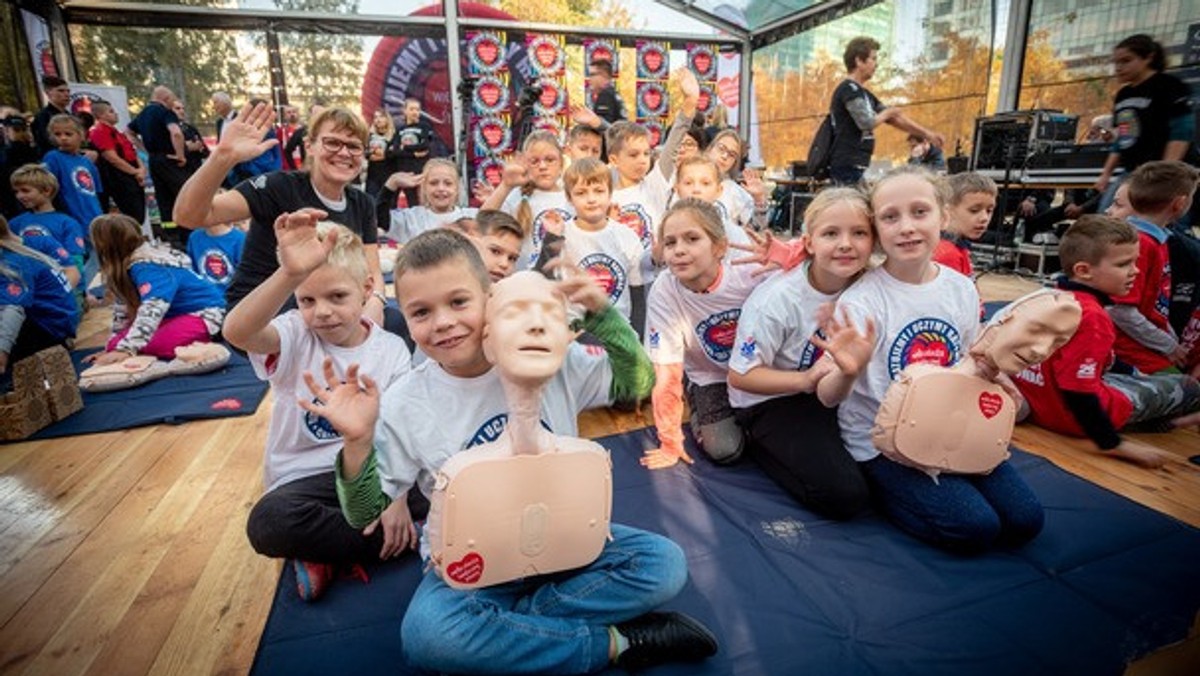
{"x": 1142, "y": 114}
{"x": 411, "y": 139}
{"x": 151, "y": 124}
{"x": 852, "y": 146}
{"x": 607, "y": 104}
{"x": 270, "y": 195}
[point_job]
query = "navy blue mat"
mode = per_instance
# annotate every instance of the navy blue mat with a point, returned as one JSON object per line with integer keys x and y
{"x": 232, "y": 391}
{"x": 787, "y": 592}
{"x": 991, "y": 307}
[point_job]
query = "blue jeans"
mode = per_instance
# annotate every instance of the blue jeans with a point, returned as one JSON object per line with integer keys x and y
{"x": 551, "y": 624}
{"x": 963, "y": 513}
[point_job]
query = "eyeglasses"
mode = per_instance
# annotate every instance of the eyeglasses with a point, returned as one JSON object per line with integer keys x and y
{"x": 689, "y": 142}
{"x": 725, "y": 152}
{"x": 334, "y": 145}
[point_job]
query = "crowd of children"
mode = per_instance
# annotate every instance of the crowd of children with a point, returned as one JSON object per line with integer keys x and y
{"x": 639, "y": 246}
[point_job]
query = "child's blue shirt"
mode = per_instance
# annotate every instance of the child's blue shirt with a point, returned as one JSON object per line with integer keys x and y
{"x": 78, "y": 184}
{"x": 184, "y": 290}
{"x": 58, "y": 226}
{"x": 42, "y": 291}
{"x": 216, "y": 257}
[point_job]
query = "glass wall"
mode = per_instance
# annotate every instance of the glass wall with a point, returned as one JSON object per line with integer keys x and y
{"x": 934, "y": 63}
{"x": 1067, "y": 61}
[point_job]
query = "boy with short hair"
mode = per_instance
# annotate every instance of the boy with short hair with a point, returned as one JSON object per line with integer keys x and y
{"x": 972, "y": 199}
{"x": 35, "y": 188}
{"x": 608, "y": 251}
{"x": 455, "y": 400}
{"x": 299, "y": 516}
{"x": 1159, "y": 193}
{"x": 1079, "y": 390}
{"x": 216, "y": 252}
{"x": 78, "y": 179}
{"x": 699, "y": 177}
{"x": 584, "y": 141}
{"x": 123, "y": 174}
{"x": 498, "y": 238}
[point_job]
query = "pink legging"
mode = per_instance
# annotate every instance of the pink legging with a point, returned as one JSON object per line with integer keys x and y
{"x": 172, "y": 333}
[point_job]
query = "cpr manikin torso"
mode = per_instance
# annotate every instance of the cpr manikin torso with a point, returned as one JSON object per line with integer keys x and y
{"x": 958, "y": 419}
{"x": 530, "y": 502}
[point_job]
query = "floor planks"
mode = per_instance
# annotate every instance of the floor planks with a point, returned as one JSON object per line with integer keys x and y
{"x": 125, "y": 552}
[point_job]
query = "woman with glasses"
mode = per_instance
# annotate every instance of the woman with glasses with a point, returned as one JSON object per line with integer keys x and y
{"x": 335, "y": 148}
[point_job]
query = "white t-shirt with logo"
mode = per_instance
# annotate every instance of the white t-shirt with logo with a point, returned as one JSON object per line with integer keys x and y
{"x": 408, "y": 223}
{"x": 641, "y": 207}
{"x": 429, "y": 415}
{"x": 540, "y": 203}
{"x": 300, "y": 444}
{"x": 933, "y": 323}
{"x": 610, "y": 256}
{"x": 778, "y": 323}
{"x": 697, "y": 329}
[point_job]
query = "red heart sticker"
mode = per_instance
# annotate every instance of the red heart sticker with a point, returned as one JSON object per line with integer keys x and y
{"x": 493, "y": 175}
{"x": 924, "y": 351}
{"x": 466, "y": 570}
{"x": 655, "y": 134}
{"x": 226, "y": 405}
{"x": 487, "y": 52}
{"x": 727, "y": 91}
{"x": 144, "y": 288}
{"x": 990, "y": 404}
{"x": 493, "y": 135}
{"x": 652, "y": 98}
{"x": 654, "y": 60}
{"x": 489, "y": 93}
{"x": 601, "y": 53}
{"x": 705, "y": 99}
{"x": 702, "y": 62}
{"x": 546, "y": 55}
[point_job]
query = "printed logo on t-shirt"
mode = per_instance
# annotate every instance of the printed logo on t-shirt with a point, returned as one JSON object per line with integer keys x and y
{"x": 635, "y": 217}
{"x": 62, "y": 279}
{"x": 607, "y": 272}
{"x": 928, "y": 340}
{"x": 717, "y": 334}
{"x": 748, "y": 348}
{"x": 811, "y": 353}
{"x": 144, "y": 289}
{"x": 655, "y": 338}
{"x": 492, "y": 429}
{"x": 1128, "y": 127}
{"x": 539, "y": 224}
{"x": 1033, "y": 375}
{"x": 14, "y": 289}
{"x": 318, "y": 427}
{"x": 1162, "y": 304}
{"x": 1087, "y": 369}
{"x": 217, "y": 266}
{"x": 34, "y": 230}
{"x": 82, "y": 178}
{"x": 79, "y": 242}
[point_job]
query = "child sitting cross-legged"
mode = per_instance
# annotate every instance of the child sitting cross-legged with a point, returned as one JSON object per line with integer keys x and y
{"x": 1082, "y": 390}
{"x": 568, "y": 623}
{"x": 299, "y": 517}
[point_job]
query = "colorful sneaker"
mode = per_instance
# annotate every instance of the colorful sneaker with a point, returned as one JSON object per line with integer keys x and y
{"x": 312, "y": 579}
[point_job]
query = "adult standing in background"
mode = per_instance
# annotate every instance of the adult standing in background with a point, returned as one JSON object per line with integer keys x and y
{"x": 414, "y": 140}
{"x": 382, "y": 152}
{"x": 222, "y": 105}
{"x": 1152, "y": 114}
{"x": 161, "y": 136}
{"x": 17, "y": 149}
{"x": 606, "y": 102}
{"x": 856, "y": 112}
{"x": 58, "y": 102}
{"x": 290, "y": 124}
{"x": 295, "y": 147}
{"x": 194, "y": 147}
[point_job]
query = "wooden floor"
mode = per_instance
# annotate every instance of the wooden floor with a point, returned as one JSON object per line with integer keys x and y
{"x": 125, "y": 553}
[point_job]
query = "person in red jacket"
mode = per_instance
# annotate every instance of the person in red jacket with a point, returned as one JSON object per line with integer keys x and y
{"x": 1082, "y": 390}
{"x": 972, "y": 201}
{"x": 1159, "y": 193}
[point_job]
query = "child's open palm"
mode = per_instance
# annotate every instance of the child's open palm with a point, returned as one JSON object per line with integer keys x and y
{"x": 350, "y": 405}
{"x": 851, "y": 350}
{"x": 300, "y": 248}
{"x": 243, "y": 136}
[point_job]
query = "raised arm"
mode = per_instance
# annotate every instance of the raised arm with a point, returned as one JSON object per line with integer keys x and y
{"x": 198, "y": 204}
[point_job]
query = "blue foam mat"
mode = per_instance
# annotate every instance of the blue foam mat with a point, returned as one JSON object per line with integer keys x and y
{"x": 787, "y": 592}
{"x": 232, "y": 391}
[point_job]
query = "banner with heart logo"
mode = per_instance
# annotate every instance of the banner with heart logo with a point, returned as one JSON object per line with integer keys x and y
{"x": 490, "y": 170}
{"x": 653, "y": 60}
{"x": 491, "y": 95}
{"x": 594, "y": 49}
{"x": 708, "y": 99}
{"x": 486, "y": 52}
{"x": 652, "y": 99}
{"x": 547, "y": 55}
{"x": 547, "y": 61}
{"x": 657, "y": 128}
{"x": 702, "y": 59}
{"x": 493, "y": 136}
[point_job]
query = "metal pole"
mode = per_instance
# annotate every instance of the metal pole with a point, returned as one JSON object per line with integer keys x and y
{"x": 454, "y": 67}
{"x": 744, "y": 82}
{"x": 1015, "y": 42}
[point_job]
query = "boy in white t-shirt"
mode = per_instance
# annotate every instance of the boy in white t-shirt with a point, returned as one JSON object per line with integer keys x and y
{"x": 299, "y": 517}
{"x": 606, "y": 250}
{"x": 455, "y": 400}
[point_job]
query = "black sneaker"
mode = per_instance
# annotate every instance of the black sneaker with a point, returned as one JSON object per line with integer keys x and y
{"x": 657, "y": 638}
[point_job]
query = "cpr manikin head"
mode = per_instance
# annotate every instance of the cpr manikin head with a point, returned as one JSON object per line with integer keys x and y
{"x": 1028, "y": 330}
{"x": 526, "y": 334}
